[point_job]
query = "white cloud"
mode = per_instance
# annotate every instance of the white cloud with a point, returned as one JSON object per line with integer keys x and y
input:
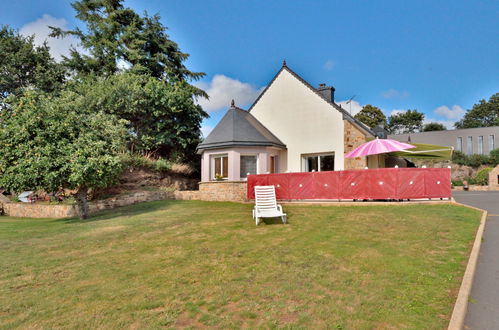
{"x": 396, "y": 112}
{"x": 447, "y": 123}
{"x": 329, "y": 65}
{"x": 40, "y": 29}
{"x": 454, "y": 113}
{"x": 353, "y": 107}
{"x": 206, "y": 130}
{"x": 395, "y": 94}
{"x": 223, "y": 89}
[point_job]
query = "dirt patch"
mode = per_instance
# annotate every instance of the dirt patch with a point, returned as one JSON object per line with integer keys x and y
{"x": 184, "y": 321}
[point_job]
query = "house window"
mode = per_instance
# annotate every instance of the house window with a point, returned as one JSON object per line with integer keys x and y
{"x": 219, "y": 167}
{"x": 491, "y": 142}
{"x": 273, "y": 164}
{"x": 318, "y": 163}
{"x": 469, "y": 145}
{"x": 248, "y": 166}
{"x": 459, "y": 144}
{"x": 480, "y": 145}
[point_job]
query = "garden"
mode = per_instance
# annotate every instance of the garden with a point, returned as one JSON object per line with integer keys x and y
{"x": 188, "y": 264}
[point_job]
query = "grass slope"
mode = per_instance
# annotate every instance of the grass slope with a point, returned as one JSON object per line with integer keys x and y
{"x": 195, "y": 264}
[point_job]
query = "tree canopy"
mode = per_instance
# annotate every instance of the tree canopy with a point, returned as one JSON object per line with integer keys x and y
{"x": 483, "y": 114}
{"x": 24, "y": 65}
{"x": 49, "y": 144}
{"x": 410, "y": 121}
{"x": 142, "y": 76}
{"x": 154, "y": 112}
{"x": 434, "y": 127}
{"x": 371, "y": 116}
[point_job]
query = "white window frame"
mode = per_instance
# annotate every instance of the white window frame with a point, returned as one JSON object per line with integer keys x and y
{"x": 257, "y": 165}
{"x": 304, "y": 162}
{"x": 492, "y": 144}
{"x": 480, "y": 144}
{"x": 212, "y": 166}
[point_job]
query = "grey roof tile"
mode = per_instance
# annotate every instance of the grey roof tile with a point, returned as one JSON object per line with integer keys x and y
{"x": 239, "y": 128}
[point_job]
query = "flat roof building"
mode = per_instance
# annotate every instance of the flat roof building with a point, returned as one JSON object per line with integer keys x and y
{"x": 468, "y": 140}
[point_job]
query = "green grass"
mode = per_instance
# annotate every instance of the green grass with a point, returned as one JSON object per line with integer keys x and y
{"x": 195, "y": 264}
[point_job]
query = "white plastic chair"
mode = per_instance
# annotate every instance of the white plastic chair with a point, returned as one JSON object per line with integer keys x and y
{"x": 266, "y": 204}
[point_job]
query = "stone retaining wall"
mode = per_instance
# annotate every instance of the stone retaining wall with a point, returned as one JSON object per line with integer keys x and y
{"x": 234, "y": 191}
{"x": 40, "y": 210}
{"x": 472, "y": 188}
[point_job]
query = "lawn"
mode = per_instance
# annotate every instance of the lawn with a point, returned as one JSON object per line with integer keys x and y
{"x": 195, "y": 264}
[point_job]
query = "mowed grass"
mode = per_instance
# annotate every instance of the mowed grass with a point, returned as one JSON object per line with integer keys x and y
{"x": 191, "y": 264}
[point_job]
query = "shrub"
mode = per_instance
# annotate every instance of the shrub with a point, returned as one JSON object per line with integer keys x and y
{"x": 482, "y": 177}
{"x": 457, "y": 183}
{"x": 494, "y": 157}
{"x": 162, "y": 165}
{"x": 477, "y": 160}
{"x": 458, "y": 158}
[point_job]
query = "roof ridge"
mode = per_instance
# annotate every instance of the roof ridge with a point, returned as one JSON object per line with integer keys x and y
{"x": 307, "y": 84}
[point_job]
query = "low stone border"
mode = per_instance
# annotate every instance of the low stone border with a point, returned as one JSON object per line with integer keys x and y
{"x": 59, "y": 211}
{"x": 461, "y": 305}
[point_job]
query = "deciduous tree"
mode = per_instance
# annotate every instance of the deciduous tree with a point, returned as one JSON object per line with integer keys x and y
{"x": 371, "y": 116}
{"x": 51, "y": 143}
{"x": 434, "y": 127}
{"x": 24, "y": 65}
{"x": 161, "y": 112}
{"x": 409, "y": 121}
{"x": 483, "y": 114}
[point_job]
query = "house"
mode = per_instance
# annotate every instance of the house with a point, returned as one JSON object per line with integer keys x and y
{"x": 291, "y": 127}
{"x": 470, "y": 141}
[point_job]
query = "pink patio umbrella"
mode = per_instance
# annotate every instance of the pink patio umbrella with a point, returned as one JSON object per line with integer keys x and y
{"x": 378, "y": 146}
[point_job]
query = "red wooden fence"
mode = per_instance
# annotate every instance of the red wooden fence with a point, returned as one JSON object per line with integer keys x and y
{"x": 384, "y": 183}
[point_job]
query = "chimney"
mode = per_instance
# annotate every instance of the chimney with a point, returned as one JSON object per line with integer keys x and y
{"x": 327, "y": 92}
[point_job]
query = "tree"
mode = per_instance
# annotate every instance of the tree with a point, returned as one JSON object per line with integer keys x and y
{"x": 409, "y": 121}
{"x": 434, "y": 127}
{"x": 371, "y": 116}
{"x": 117, "y": 40}
{"x": 483, "y": 114}
{"x": 154, "y": 111}
{"x": 24, "y": 65}
{"x": 52, "y": 143}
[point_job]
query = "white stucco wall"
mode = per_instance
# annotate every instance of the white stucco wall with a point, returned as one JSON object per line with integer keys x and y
{"x": 234, "y": 154}
{"x": 302, "y": 120}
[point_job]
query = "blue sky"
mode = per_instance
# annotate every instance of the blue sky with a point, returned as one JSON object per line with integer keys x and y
{"x": 439, "y": 57}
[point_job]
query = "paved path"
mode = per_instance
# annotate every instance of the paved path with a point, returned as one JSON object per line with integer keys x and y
{"x": 483, "y": 308}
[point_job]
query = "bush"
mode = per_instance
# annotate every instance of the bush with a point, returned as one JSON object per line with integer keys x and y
{"x": 457, "y": 183}
{"x": 162, "y": 165}
{"x": 477, "y": 160}
{"x": 482, "y": 177}
{"x": 146, "y": 161}
{"x": 458, "y": 158}
{"x": 494, "y": 157}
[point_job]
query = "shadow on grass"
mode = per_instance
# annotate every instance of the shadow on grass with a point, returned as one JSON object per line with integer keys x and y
{"x": 273, "y": 221}
{"x": 124, "y": 211}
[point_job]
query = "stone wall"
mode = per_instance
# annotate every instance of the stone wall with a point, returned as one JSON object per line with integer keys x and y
{"x": 223, "y": 191}
{"x": 353, "y": 138}
{"x": 40, "y": 210}
{"x": 494, "y": 179}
